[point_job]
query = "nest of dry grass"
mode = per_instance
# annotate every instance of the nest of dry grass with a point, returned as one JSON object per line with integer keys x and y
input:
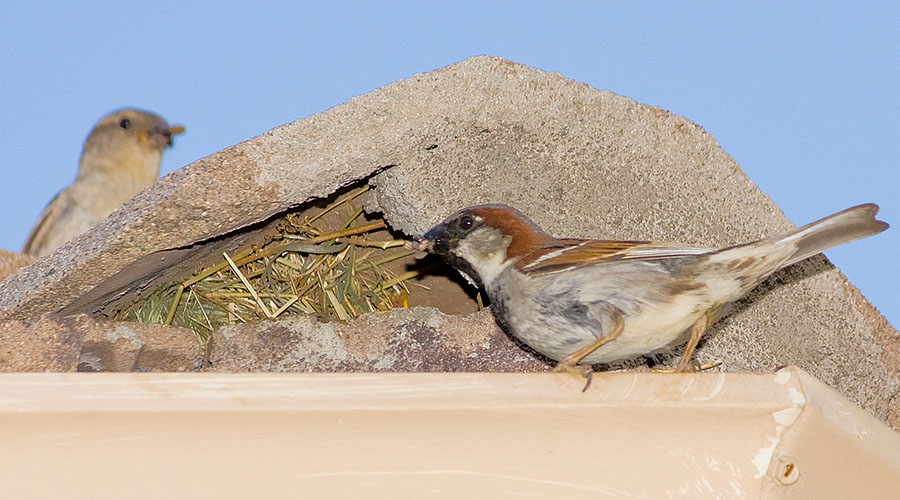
{"x": 336, "y": 273}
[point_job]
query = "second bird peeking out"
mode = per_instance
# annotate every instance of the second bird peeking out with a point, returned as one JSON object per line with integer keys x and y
{"x": 121, "y": 157}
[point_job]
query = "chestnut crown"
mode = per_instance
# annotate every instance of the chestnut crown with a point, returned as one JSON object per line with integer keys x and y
{"x": 523, "y": 234}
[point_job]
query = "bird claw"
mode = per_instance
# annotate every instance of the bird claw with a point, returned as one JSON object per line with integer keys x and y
{"x": 693, "y": 367}
{"x": 586, "y": 372}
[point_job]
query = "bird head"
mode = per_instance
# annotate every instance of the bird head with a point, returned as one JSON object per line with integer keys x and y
{"x": 129, "y": 129}
{"x": 483, "y": 240}
{"x": 127, "y": 144}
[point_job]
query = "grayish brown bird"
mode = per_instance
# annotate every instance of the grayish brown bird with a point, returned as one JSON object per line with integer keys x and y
{"x": 601, "y": 301}
{"x": 121, "y": 156}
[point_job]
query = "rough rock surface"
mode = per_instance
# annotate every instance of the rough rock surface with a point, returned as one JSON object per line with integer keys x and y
{"x": 81, "y": 343}
{"x": 41, "y": 346}
{"x": 414, "y": 340}
{"x": 121, "y": 346}
{"x": 11, "y": 262}
{"x": 581, "y": 162}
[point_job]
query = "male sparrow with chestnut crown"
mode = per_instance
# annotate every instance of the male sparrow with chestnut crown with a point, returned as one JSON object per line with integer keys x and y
{"x": 121, "y": 156}
{"x": 597, "y": 301}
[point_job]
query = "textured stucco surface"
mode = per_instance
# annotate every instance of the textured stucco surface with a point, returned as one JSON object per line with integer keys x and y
{"x": 81, "y": 343}
{"x": 11, "y": 262}
{"x": 412, "y": 340}
{"x": 579, "y": 161}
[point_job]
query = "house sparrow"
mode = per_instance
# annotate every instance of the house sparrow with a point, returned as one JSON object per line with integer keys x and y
{"x": 121, "y": 156}
{"x": 597, "y": 301}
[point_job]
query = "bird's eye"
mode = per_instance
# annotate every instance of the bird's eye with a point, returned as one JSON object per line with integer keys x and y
{"x": 125, "y": 123}
{"x": 466, "y": 222}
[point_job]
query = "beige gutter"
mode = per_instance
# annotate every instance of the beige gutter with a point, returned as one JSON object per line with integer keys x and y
{"x": 439, "y": 435}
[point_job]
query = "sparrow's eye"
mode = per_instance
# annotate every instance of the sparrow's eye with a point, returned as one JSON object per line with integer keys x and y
{"x": 125, "y": 123}
{"x": 466, "y": 222}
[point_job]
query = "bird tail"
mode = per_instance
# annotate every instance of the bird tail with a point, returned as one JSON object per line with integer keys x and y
{"x": 843, "y": 227}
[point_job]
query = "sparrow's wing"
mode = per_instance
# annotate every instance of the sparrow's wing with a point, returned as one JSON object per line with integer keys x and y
{"x": 561, "y": 255}
{"x": 37, "y": 238}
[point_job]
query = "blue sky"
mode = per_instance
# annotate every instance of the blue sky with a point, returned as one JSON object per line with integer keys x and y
{"x": 806, "y": 100}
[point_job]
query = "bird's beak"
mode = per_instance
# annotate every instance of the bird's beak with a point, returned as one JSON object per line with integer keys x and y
{"x": 437, "y": 241}
{"x": 421, "y": 245}
{"x": 161, "y": 135}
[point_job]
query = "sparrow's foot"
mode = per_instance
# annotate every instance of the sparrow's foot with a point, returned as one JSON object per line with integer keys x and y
{"x": 585, "y": 372}
{"x": 713, "y": 364}
{"x": 693, "y": 367}
{"x": 569, "y": 364}
{"x": 686, "y": 364}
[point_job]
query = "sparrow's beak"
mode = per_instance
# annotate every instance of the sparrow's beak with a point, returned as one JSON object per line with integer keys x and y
{"x": 437, "y": 241}
{"x": 161, "y": 135}
{"x": 421, "y": 245}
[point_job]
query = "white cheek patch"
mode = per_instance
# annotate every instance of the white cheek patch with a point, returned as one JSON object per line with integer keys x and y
{"x": 484, "y": 250}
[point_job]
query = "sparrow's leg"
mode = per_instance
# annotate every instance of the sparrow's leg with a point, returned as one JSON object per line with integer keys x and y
{"x": 570, "y": 362}
{"x": 697, "y": 329}
{"x": 685, "y": 364}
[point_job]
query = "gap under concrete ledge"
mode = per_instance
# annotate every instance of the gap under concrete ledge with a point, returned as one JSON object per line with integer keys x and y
{"x": 394, "y": 435}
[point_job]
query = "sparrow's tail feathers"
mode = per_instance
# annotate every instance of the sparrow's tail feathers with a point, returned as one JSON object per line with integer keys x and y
{"x": 843, "y": 227}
